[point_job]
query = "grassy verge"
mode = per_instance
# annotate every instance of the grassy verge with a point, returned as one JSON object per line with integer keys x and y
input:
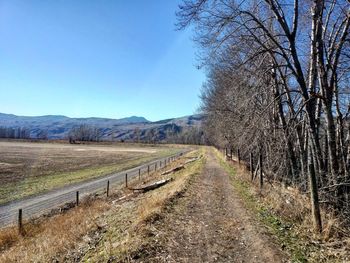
{"x": 129, "y": 236}
{"x": 35, "y": 185}
{"x": 46, "y": 239}
{"x": 99, "y": 230}
{"x": 281, "y": 228}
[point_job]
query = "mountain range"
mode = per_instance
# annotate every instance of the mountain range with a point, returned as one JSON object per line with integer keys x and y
{"x": 125, "y": 129}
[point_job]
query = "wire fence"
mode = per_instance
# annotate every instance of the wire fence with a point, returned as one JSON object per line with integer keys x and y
{"x": 29, "y": 208}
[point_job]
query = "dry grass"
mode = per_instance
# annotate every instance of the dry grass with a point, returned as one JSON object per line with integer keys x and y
{"x": 8, "y": 237}
{"x": 156, "y": 201}
{"x": 49, "y": 237}
{"x": 128, "y": 238}
{"x": 99, "y": 229}
{"x": 293, "y": 207}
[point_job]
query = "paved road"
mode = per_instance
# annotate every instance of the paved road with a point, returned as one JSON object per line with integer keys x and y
{"x": 43, "y": 203}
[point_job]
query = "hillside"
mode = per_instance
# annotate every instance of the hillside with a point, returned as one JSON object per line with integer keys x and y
{"x": 127, "y": 129}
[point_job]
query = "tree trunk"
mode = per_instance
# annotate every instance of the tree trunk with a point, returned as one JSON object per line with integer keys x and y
{"x": 315, "y": 206}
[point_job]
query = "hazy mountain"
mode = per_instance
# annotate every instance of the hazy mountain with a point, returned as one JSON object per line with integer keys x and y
{"x": 128, "y": 129}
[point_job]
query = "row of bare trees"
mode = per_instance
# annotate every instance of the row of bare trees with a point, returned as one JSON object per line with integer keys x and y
{"x": 14, "y": 133}
{"x": 278, "y": 82}
{"x": 84, "y": 132}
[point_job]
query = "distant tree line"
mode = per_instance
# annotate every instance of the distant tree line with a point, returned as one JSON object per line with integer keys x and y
{"x": 84, "y": 132}
{"x": 23, "y": 133}
{"x": 278, "y": 84}
{"x": 193, "y": 135}
{"x": 14, "y": 133}
{"x": 170, "y": 133}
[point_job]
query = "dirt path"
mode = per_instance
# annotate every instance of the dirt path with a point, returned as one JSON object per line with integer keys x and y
{"x": 211, "y": 224}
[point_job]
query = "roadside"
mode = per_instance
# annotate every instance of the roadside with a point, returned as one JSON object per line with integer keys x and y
{"x": 29, "y": 169}
{"x": 39, "y": 204}
{"x": 87, "y": 231}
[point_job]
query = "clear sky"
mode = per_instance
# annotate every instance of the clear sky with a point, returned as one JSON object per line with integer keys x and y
{"x": 97, "y": 58}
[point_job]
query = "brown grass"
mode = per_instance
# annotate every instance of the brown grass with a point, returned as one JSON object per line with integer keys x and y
{"x": 294, "y": 207}
{"x": 51, "y": 236}
{"x": 119, "y": 226}
{"x": 129, "y": 236}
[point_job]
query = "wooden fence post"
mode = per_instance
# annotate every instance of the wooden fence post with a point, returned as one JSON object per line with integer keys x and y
{"x": 126, "y": 180}
{"x": 148, "y": 170}
{"x": 20, "y": 221}
{"x": 238, "y": 156}
{"x": 77, "y": 198}
{"x": 107, "y": 188}
{"x": 139, "y": 174}
{"x": 251, "y": 166}
{"x": 261, "y": 170}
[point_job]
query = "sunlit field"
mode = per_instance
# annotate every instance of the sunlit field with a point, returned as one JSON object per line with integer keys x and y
{"x": 28, "y": 168}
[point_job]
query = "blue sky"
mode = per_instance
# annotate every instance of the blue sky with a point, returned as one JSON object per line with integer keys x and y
{"x": 98, "y": 58}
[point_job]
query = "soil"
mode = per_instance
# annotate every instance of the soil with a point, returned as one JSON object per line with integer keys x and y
{"x": 211, "y": 224}
{"x": 20, "y": 160}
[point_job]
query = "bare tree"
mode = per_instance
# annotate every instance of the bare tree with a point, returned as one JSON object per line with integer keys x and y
{"x": 278, "y": 82}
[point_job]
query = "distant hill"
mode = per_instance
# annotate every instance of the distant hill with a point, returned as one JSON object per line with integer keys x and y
{"x": 126, "y": 129}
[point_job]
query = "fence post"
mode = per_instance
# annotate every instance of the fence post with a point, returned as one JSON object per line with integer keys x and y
{"x": 148, "y": 170}
{"x": 251, "y": 166}
{"x": 20, "y": 221}
{"x": 139, "y": 174}
{"x": 107, "y": 188}
{"x": 126, "y": 180}
{"x": 261, "y": 170}
{"x": 238, "y": 156}
{"x": 77, "y": 198}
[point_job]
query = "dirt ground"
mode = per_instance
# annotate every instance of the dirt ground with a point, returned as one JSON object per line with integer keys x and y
{"x": 28, "y": 168}
{"x": 211, "y": 224}
{"x": 24, "y": 159}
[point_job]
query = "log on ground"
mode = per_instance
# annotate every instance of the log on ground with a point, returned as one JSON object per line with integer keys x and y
{"x": 177, "y": 168}
{"x": 152, "y": 186}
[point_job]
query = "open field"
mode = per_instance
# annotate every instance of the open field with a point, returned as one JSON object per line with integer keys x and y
{"x": 88, "y": 231}
{"x": 30, "y": 168}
